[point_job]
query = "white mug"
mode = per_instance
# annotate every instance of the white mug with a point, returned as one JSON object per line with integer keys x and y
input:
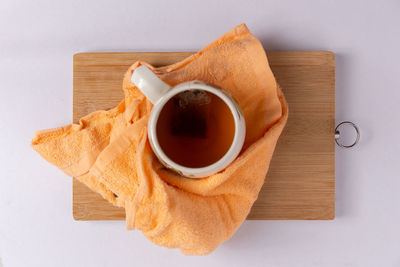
{"x": 158, "y": 92}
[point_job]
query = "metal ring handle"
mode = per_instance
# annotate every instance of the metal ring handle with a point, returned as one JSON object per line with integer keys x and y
{"x": 337, "y": 134}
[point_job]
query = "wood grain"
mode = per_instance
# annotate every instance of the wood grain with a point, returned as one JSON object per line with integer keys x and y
{"x": 300, "y": 184}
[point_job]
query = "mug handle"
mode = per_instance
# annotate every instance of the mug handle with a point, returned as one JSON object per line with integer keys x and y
{"x": 149, "y": 83}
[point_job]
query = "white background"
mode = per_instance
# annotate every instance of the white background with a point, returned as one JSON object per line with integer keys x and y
{"x": 37, "y": 41}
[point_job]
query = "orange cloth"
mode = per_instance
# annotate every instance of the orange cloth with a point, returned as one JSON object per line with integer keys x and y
{"x": 110, "y": 153}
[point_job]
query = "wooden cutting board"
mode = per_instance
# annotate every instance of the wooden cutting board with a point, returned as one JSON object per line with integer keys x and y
{"x": 300, "y": 184}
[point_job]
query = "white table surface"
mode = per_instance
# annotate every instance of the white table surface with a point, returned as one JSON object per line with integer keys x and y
{"x": 37, "y": 41}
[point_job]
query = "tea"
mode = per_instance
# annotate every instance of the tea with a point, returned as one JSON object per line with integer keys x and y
{"x": 195, "y": 128}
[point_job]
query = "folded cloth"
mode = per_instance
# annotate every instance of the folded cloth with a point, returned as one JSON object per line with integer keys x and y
{"x": 110, "y": 153}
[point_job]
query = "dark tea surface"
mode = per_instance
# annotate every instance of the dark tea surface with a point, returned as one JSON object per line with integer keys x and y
{"x": 195, "y": 128}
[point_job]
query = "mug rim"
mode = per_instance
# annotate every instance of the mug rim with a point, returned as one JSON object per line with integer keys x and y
{"x": 226, "y": 159}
